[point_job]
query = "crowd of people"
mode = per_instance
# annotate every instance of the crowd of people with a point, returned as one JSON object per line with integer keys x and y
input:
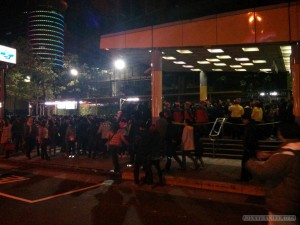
{"x": 175, "y": 132}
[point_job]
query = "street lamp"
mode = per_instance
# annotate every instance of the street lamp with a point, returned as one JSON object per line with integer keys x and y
{"x": 74, "y": 72}
{"x": 119, "y": 64}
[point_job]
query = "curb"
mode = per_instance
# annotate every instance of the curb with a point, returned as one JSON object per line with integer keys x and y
{"x": 238, "y": 188}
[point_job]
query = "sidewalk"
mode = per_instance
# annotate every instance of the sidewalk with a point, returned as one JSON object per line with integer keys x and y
{"x": 217, "y": 175}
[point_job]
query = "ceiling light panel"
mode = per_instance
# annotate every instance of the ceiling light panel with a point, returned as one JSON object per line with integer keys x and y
{"x": 220, "y": 64}
{"x": 240, "y": 70}
{"x": 215, "y": 50}
{"x": 203, "y": 62}
{"x": 213, "y": 60}
{"x": 247, "y": 64}
{"x": 223, "y": 56}
{"x": 235, "y": 66}
{"x": 179, "y": 62}
{"x": 195, "y": 69}
{"x": 241, "y": 59}
{"x": 169, "y": 58}
{"x": 185, "y": 51}
{"x": 251, "y": 49}
{"x": 217, "y": 70}
{"x": 259, "y": 61}
{"x": 188, "y": 66}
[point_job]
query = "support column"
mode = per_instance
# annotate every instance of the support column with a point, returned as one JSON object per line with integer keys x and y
{"x": 156, "y": 83}
{"x": 203, "y": 86}
{"x": 295, "y": 71}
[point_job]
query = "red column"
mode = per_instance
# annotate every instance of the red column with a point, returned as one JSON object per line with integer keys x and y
{"x": 156, "y": 83}
{"x": 295, "y": 70}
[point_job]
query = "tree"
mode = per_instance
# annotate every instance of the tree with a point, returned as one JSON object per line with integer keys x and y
{"x": 31, "y": 79}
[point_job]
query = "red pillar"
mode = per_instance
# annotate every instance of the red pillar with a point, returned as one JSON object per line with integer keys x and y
{"x": 295, "y": 70}
{"x": 156, "y": 83}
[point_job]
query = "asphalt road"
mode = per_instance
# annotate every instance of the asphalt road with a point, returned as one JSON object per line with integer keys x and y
{"x": 43, "y": 196}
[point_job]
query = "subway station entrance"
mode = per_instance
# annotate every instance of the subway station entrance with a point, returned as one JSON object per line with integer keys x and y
{"x": 259, "y": 40}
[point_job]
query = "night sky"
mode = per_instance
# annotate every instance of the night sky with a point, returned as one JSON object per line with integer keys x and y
{"x": 82, "y": 27}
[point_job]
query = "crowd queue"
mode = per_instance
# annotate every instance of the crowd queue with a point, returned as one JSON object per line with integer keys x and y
{"x": 178, "y": 130}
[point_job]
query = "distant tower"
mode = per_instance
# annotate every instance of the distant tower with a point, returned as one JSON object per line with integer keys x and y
{"x": 46, "y": 30}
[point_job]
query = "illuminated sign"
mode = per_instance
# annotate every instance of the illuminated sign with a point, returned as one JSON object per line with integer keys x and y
{"x": 8, "y": 54}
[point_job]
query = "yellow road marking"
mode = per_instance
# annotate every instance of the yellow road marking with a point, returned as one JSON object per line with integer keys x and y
{"x": 105, "y": 183}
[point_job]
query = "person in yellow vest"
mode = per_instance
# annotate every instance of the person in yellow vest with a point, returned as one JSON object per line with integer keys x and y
{"x": 257, "y": 112}
{"x": 236, "y": 112}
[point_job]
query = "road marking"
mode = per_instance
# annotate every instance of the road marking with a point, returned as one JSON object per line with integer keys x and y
{"x": 104, "y": 183}
{"x": 11, "y": 179}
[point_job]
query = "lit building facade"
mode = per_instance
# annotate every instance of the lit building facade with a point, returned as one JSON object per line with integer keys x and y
{"x": 46, "y": 31}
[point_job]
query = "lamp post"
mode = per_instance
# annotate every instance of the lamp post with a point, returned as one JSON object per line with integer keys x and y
{"x": 74, "y": 72}
{"x": 119, "y": 65}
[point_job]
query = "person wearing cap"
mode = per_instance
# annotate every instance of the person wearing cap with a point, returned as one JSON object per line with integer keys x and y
{"x": 280, "y": 173}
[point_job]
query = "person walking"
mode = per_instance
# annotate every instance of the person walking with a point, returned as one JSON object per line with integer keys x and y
{"x": 115, "y": 141}
{"x": 153, "y": 159}
{"x": 71, "y": 140}
{"x": 5, "y": 138}
{"x": 250, "y": 145}
{"x": 30, "y": 136}
{"x": 44, "y": 140}
{"x": 161, "y": 126}
{"x": 188, "y": 144}
{"x": 172, "y": 144}
{"x": 280, "y": 172}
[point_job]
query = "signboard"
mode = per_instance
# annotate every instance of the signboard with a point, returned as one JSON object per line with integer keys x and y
{"x": 8, "y": 54}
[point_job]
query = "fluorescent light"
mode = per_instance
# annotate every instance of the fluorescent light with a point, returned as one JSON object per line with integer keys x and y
{"x": 223, "y": 56}
{"x": 286, "y": 52}
{"x": 235, "y": 66}
{"x": 195, "y": 69}
{"x": 262, "y": 94}
{"x": 247, "y": 64}
{"x": 217, "y": 70}
{"x": 179, "y": 62}
{"x": 259, "y": 61}
{"x": 132, "y": 99}
{"x": 169, "y": 58}
{"x": 203, "y": 62}
{"x": 242, "y": 59}
{"x": 213, "y": 60}
{"x": 274, "y": 93}
{"x": 265, "y": 70}
{"x": 215, "y": 50}
{"x": 220, "y": 64}
{"x": 188, "y": 66}
{"x": 251, "y": 49}
{"x": 240, "y": 70}
{"x": 184, "y": 51}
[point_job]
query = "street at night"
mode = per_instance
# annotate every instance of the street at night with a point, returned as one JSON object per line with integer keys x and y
{"x": 51, "y": 196}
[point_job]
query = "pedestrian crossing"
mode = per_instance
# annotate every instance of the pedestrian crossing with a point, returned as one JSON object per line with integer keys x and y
{"x": 12, "y": 179}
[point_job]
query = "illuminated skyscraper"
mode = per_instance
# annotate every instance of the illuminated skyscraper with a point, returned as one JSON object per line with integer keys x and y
{"x": 46, "y": 30}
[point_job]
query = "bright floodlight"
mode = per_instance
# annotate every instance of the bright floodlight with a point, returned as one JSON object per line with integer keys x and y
{"x": 119, "y": 64}
{"x": 74, "y": 72}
